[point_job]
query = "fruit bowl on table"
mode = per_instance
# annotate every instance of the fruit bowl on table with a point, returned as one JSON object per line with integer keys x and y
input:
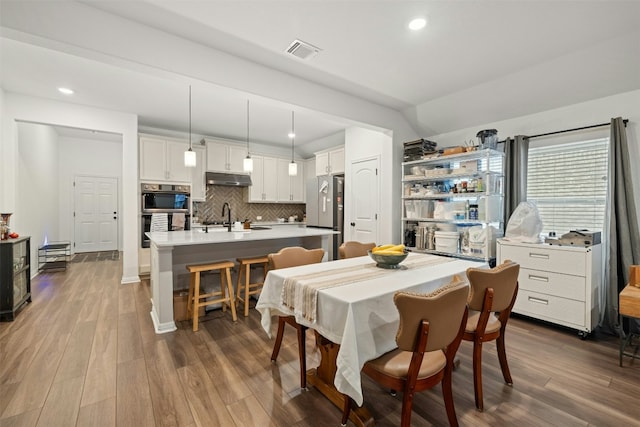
{"x": 390, "y": 261}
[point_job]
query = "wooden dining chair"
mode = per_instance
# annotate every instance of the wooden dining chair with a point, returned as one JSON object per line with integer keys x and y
{"x": 354, "y": 249}
{"x": 293, "y": 257}
{"x": 428, "y": 337}
{"x": 493, "y": 293}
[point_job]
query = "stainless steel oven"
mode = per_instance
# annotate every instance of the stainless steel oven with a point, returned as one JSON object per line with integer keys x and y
{"x": 161, "y": 199}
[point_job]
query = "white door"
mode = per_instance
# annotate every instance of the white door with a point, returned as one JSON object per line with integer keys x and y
{"x": 96, "y": 214}
{"x": 364, "y": 200}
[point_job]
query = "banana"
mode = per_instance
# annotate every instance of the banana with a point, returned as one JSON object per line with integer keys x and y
{"x": 388, "y": 249}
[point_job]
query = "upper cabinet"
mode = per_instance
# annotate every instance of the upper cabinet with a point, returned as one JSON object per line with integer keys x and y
{"x": 263, "y": 181}
{"x": 225, "y": 157}
{"x": 198, "y": 185}
{"x": 290, "y": 188}
{"x": 330, "y": 162}
{"x": 162, "y": 159}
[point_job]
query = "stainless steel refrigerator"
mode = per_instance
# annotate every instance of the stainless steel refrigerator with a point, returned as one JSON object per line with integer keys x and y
{"x": 325, "y": 207}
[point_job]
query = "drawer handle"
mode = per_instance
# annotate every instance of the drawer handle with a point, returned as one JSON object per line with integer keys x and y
{"x": 541, "y": 256}
{"x": 539, "y": 300}
{"x": 538, "y": 278}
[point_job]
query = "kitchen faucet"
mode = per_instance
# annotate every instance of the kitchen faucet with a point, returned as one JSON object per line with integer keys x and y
{"x": 228, "y": 213}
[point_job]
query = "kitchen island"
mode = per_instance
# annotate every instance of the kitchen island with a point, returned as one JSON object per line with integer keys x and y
{"x": 172, "y": 251}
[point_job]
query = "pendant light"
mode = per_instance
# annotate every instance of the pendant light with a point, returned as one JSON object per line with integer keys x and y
{"x": 190, "y": 155}
{"x": 247, "y": 164}
{"x": 293, "y": 167}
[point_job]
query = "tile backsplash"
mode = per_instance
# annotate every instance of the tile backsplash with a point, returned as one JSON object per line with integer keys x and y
{"x": 217, "y": 195}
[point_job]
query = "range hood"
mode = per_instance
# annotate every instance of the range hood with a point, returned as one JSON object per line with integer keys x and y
{"x": 230, "y": 179}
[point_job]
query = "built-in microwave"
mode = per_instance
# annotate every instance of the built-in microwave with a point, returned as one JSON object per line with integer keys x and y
{"x": 169, "y": 198}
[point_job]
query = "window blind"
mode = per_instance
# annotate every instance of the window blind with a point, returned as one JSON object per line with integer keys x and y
{"x": 568, "y": 183}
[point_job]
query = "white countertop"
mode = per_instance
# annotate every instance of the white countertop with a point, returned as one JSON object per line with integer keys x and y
{"x": 221, "y": 235}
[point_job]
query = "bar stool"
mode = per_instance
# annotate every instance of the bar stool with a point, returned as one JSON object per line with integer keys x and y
{"x": 244, "y": 266}
{"x": 196, "y": 300}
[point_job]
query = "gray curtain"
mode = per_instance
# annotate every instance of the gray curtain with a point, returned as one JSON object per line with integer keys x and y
{"x": 515, "y": 183}
{"x": 622, "y": 228}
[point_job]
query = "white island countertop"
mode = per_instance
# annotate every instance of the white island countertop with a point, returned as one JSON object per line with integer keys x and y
{"x": 218, "y": 234}
{"x": 172, "y": 251}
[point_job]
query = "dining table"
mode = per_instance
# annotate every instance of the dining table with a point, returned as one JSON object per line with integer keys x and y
{"x": 349, "y": 304}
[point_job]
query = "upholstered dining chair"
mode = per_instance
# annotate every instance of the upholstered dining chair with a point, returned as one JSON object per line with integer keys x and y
{"x": 354, "y": 249}
{"x": 493, "y": 293}
{"x": 428, "y": 337}
{"x": 292, "y": 257}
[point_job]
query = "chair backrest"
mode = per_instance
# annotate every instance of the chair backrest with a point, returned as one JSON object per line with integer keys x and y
{"x": 354, "y": 249}
{"x": 503, "y": 279}
{"x": 442, "y": 308}
{"x": 295, "y": 256}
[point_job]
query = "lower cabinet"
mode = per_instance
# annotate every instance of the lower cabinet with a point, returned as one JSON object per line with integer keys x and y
{"x": 15, "y": 276}
{"x": 558, "y": 284}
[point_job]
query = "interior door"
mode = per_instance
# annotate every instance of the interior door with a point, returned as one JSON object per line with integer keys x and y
{"x": 364, "y": 200}
{"x": 96, "y": 214}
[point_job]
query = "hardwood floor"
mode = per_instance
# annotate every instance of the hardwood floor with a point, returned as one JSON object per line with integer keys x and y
{"x": 84, "y": 353}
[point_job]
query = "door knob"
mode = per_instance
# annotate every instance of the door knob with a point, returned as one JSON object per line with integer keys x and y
{"x": 115, "y": 217}
{"x": 353, "y": 224}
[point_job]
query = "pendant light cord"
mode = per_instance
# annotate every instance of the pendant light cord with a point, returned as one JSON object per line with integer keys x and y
{"x": 293, "y": 132}
{"x": 190, "y": 147}
{"x": 247, "y": 128}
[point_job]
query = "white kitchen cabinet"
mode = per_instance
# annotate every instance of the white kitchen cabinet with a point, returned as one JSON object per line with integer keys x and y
{"x": 225, "y": 157}
{"x": 162, "y": 159}
{"x": 198, "y": 184}
{"x": 330, "y": 162}
{"x": 557, "y": 284}
{"x": 264, "y": 184}
{"x": 290, "y": 188}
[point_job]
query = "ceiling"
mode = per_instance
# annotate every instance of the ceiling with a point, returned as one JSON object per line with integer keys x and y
{"x": 474, "y": 63}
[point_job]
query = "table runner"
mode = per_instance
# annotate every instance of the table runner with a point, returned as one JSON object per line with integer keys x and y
{"x": 300, "y": 293}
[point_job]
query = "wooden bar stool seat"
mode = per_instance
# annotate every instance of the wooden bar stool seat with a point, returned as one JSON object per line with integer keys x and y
{"x": 195, "y": 300}
{"x": 244, "y": 267}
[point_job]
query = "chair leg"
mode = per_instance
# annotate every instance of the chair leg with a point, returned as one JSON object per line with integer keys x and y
{"x": 278, "y": 342}
{"x": 477, "y": 373}
{"x": 447, "y": 394}
{"x": 247, "y": 281}
{"x": 346, "y": 410}
{"x": 192, "y": 284}
{"x": 196, "y": 301}
{"x": 502, "y": 357}
{"x": 302, "y": 353}
{"x": 407, "y": 404}
{"x": 230, "y": 288}
{"x": 238, "y": 288}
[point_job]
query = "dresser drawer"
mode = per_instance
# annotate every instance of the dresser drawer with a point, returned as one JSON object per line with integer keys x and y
{"x": 550, "y": 308}
{"x": 546, "y": 258}
{"x": 555, "y": 284}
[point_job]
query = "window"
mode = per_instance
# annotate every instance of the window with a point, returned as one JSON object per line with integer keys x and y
{"x": 568, "y": 183}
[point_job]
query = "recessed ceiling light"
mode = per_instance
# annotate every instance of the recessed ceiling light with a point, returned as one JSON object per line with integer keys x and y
{"x": 65, "y": 90}
{"x": 291, "y": 135}
{"x": 417, "y": 24}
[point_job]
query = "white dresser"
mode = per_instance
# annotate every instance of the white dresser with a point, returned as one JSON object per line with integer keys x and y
{"x": 558, "y": 284}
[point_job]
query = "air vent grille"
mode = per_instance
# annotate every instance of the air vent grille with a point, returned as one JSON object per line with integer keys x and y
{"x": 302, "y": 50}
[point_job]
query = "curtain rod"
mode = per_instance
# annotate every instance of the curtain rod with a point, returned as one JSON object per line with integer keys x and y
{"x": 625, "y": 121}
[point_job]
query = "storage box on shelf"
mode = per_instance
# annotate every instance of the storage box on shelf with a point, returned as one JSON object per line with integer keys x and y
{"x": 453, "y": 204}
{"x": 558, "y": 284}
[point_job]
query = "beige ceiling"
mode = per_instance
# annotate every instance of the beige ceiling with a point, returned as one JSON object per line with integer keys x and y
{"x": 475, "y": 62}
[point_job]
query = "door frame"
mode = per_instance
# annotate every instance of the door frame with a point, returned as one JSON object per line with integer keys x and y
{"x": 118, "y": 204}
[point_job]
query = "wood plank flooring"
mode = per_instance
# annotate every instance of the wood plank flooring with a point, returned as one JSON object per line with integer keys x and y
{"x": 84, "y": 353}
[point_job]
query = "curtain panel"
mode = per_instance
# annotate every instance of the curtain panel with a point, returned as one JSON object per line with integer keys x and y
{"x": 622, "y": 228}
{"x": 515, "y": 183}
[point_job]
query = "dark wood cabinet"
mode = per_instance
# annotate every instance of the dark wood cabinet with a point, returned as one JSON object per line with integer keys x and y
{"x": 15, "y": 276}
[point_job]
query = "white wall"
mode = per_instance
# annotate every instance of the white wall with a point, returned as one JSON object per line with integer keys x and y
{"x": 36, "y": 213}
{"x": 625, "y": 105}
{"x": 38, "y": 110}
{"x": 363, "y": 144}
{"x": 87, "y": 158}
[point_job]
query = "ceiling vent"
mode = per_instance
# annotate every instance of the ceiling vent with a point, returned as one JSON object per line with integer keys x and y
{"x": 302, "y": 50}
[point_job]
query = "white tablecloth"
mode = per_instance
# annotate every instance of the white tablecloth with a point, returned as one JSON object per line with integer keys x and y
{"x": 360, "y": 316}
